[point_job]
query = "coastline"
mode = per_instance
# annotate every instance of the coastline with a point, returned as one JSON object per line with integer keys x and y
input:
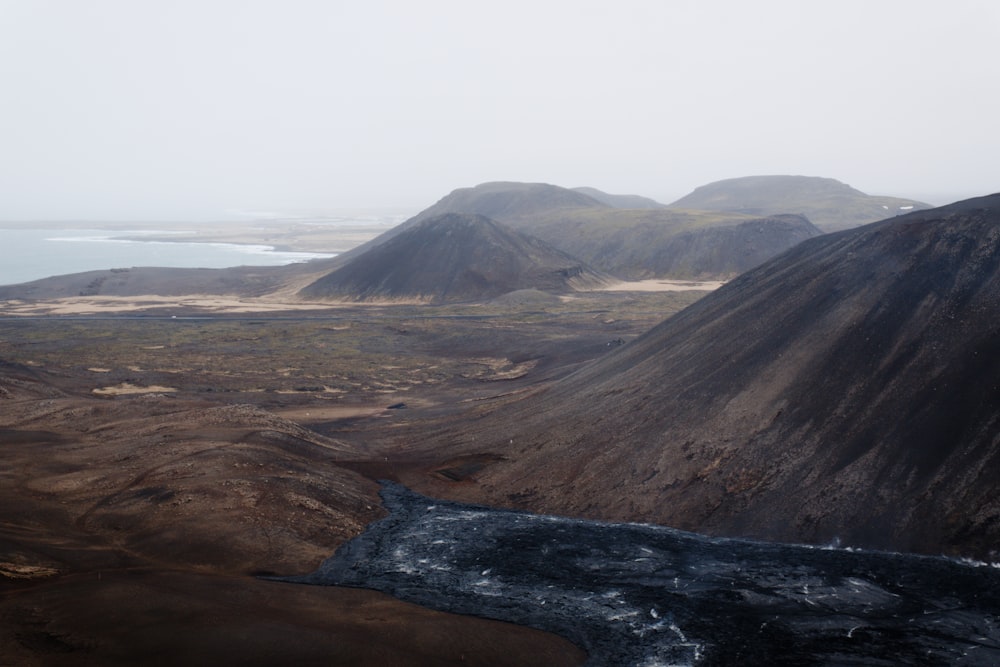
{"x": 34, "y": 251}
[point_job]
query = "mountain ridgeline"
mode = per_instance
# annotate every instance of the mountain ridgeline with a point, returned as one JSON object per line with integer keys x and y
{"x": 845, "y": 390}
{"x": 629, "y": 243}
{"x": 828, "y": 203}
{"x": 717, "y": 232}
{"x": 455, "y": 257}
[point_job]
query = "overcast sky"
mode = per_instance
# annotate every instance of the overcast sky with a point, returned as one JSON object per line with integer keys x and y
{"x": 155, "y": 109}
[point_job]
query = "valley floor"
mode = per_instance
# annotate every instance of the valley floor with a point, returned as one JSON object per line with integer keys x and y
{"x": 158, "y": 454}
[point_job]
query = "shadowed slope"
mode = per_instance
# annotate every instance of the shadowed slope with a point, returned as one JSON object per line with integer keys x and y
{"x": 844, "y": 390}
{"x": 830, "y": 204}
{"x": 455, "y": 257}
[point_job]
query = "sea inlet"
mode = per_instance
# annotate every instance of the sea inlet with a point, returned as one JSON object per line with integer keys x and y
{"x": 641, "y": 595}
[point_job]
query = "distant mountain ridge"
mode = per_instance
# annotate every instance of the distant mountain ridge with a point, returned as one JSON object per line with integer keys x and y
{"x": 828, "y": 203}
{"x": 455, "y": 257}
{"x": 628, "y": 243}
{"x": 844, "y": 391}
{"x": 717, "y": 232}
{"x": 505, "y": 200}
{"x": 686, "y": 245}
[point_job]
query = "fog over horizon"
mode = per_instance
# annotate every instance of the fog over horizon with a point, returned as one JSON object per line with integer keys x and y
{"x": 125, "y": 109}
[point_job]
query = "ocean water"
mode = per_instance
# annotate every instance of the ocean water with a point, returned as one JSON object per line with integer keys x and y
{"x": 31, "y": 254}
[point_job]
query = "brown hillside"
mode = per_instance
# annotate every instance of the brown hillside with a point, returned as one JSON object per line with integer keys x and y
{"x": 846, "y": 390}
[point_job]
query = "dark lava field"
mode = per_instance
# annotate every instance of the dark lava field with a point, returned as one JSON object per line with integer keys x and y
{"x": 643, "y": 595}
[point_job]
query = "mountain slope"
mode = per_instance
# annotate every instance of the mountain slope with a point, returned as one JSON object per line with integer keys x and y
{"x": 846, "y": 390}
{"x": 454, "y": 257}
{"x": 628, "y": 243}
{"x": 506, "y": 200}
{"x": 828, "y": 203}
{"x": 640, "y": 244}
{"x": 620, "y": 201}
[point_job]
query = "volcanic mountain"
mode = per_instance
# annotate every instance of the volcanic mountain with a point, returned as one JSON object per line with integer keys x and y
{"x": 455, "y": 257}
{"x": 503, "y": 201}
{"x": 628, "y": 236}
{"x": 632, "y": 243}
{"x": 846, "y": 390}
{"x": 828, "y": 203}
{"x": 507, "y": 200}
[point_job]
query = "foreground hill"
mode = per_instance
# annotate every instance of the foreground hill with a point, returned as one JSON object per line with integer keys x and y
{"x": 455, "y": 257}
{"x": 846, "y": 390}
{"x": 631, "y": 243}
{"x": 828, "y": 203}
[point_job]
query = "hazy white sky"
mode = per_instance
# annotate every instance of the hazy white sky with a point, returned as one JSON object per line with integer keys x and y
{"x": 196, "y": 109}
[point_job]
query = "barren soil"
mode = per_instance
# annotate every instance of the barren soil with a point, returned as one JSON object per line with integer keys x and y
{"x": 151, "y": 465}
